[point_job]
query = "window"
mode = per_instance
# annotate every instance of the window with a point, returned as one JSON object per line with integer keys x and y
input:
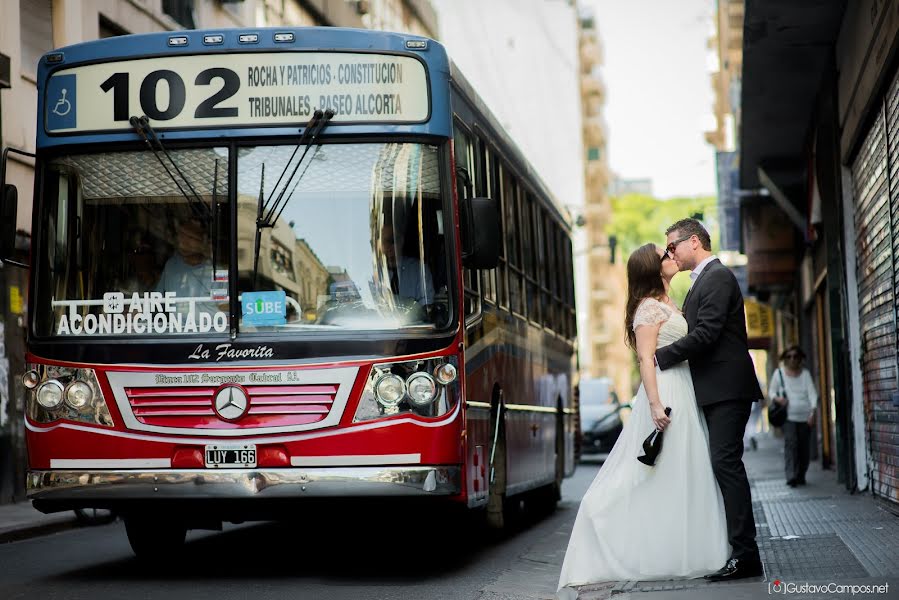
{"x": 36, "y": 28}
{"x": 571, "y": 329}
{"x": 109, "y": 28}
{"x": 526, "y": 227}
{"x": 485, "y": 159}
{"x": 540, "y": 251}
{"x": 356, "y": 241}
{"x": 483, "y": 180}
{"x": 496, "y": 192}
{"x": 465, "y": 178}
{"x": 552, "y": 268}
{"x": 182, "y": 11}
{"x": 513, "y": 245}
{"x": 120, "y": 231}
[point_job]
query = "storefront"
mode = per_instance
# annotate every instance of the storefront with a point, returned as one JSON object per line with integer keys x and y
{"x": 819, "y": 132}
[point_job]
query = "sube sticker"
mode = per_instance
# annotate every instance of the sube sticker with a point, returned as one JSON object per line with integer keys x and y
{"x": 264, "y": 308}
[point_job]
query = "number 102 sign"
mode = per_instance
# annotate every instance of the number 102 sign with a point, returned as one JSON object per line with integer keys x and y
{"x": 274, "y": 88}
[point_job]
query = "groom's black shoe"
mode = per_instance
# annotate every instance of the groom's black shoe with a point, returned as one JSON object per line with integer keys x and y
{"x": 737, "y": 568}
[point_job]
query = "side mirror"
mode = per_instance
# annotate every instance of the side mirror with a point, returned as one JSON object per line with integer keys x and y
{"x": 480, "y": 233}
{"x": 8, "y": 205}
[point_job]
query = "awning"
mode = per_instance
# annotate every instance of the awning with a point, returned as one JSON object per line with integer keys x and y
{"x": 787, "y": 45}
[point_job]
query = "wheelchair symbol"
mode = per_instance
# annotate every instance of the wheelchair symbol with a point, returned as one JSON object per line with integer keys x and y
{"x": 63, "y": 106}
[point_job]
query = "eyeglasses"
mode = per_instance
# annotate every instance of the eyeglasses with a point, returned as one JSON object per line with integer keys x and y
{"x": 673, "y": 245}
{"x": 791, "y": 356}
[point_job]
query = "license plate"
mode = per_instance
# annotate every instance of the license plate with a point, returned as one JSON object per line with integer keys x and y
{"x": 230, "y": 455}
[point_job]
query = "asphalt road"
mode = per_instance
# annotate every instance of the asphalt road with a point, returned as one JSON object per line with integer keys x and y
{"x": 347, "y": 554}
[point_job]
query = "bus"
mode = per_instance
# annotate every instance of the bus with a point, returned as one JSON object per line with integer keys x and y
{"x": 271, "y": 265}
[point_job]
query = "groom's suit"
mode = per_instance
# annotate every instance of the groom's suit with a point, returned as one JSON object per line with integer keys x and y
{"x": 726, "y": 386}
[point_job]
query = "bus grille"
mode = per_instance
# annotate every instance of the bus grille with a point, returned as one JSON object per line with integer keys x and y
{"x": 270, "y": 406}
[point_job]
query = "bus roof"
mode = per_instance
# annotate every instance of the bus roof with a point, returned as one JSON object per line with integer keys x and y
{"x": 124, "y": 47}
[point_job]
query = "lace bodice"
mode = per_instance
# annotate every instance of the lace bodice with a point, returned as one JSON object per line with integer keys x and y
{"x": 651, "y": 312}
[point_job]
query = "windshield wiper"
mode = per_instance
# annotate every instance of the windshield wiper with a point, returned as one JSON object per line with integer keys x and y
{"x": 267, "y": 212}
{"x": 313, "y": 122}
{"x": 316, "y": 124}
{"x": 143, "y": 128}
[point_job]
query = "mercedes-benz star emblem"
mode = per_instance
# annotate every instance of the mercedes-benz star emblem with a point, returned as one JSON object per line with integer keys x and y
{"x": 231, "y": 402}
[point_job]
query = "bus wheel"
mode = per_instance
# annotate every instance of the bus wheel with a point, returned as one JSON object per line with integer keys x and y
{"x": 154, "y": 539}
{"x": 497, "y": 505}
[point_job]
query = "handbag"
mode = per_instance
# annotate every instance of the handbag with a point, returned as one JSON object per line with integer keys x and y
{"x": 777, "y": 413}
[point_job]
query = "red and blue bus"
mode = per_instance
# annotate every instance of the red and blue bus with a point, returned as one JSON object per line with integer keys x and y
{"x": 278, "y": 264}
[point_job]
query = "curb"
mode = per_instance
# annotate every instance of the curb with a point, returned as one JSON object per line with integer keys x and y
{"x": 18, "y": 534}
{"x": 623, "y": 587}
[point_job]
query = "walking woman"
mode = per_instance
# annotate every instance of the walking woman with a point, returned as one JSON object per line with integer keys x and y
{"x": 792, "y": 385}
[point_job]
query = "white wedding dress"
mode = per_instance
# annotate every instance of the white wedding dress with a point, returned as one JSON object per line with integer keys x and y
{"x": 649, "y": 523}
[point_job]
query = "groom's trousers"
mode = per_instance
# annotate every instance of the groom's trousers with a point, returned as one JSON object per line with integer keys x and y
{"x": 726, "y": 422}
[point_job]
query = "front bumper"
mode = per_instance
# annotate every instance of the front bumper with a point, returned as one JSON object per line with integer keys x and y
{"x": 59, "y": 487}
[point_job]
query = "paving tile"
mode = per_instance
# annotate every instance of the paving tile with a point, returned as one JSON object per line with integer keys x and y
{"x": 874, "y": 544}
{"x": 810, "y": 557}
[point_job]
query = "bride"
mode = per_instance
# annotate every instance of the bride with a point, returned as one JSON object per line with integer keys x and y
{"x": 638, "y": 522}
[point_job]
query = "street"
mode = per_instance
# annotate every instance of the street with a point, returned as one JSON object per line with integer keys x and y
{"x": 342, "y": 557}
{"x": 816, "y": 533}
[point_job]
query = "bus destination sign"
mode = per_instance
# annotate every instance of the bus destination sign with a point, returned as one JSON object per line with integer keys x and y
{"x": 248, "y": 89}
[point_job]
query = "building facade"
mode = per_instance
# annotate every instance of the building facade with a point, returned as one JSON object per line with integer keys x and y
{"x": 622, "y": 186}
{"x": 30, "y": 28}
{"x": 818, "y": 124}
{"x": 608, "y": 356}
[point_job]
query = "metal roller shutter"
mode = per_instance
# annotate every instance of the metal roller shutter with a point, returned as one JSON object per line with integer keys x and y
{"x": 875, "y": 173}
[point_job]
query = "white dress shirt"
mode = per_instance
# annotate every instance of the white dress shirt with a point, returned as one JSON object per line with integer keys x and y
{"x": 694, "y": 274}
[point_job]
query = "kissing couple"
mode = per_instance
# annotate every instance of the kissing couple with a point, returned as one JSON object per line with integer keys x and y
{"x": 690, "y": 515}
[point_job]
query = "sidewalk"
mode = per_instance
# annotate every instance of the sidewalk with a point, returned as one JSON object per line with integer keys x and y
{"x": 21, "y": 520}
{"x": 817, "y": 534}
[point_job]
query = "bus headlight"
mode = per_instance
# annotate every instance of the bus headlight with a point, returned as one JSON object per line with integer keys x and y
{"x": 389, "y": 390}
{"x": 425, "y": 388}
{"x": 31, "y": 379}
{"x": 55, "y": 393}
{"x": 78, "y": 394}
{"x": 422, "y": 389}
{"x": 49, "y": 394}
{"x": 445, "y": 373}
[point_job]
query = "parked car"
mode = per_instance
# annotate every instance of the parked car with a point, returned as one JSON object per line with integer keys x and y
{"x": 601, "y": 422}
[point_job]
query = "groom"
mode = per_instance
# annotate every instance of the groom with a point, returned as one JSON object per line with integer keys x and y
{"x": 724, "y": 379}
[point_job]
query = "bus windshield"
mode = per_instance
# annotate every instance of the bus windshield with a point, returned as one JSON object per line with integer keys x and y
{"x": 351, "y": 238}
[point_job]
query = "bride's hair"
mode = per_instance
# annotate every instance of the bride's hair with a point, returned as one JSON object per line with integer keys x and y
{"x": 644, "y": 280}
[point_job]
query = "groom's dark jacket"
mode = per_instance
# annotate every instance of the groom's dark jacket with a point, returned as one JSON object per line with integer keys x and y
{"x": 716, "y": 344}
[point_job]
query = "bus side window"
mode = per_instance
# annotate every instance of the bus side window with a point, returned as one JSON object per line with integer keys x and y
{"x": 560, "y": 275}
{"x": 484, "y": 168}
{"x": 513, "y": 246}
{"x": 571, "y": 320}
{"x": 551, "y": 268}
{"x": 526, "y": 227}
{"x": 540, "y": 251}
{"x": 464, "y": 157}
{"x": 496, "y": 192}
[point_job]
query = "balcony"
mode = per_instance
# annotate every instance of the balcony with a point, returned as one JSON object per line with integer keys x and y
{"x": 596, "y": 179}
{"x": 594, "y": 132}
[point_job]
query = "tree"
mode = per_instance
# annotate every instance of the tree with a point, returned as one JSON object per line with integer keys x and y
{"x": 638, "y": 219}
